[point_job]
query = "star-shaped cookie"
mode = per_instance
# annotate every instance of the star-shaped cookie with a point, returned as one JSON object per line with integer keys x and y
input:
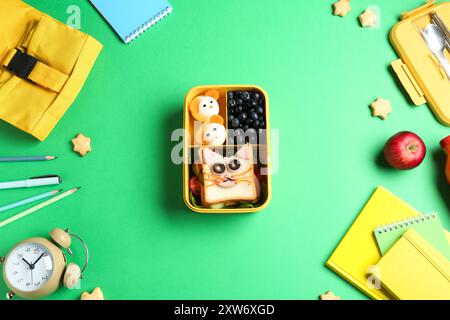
{"x": 368, "y": 19}
{"x": 82, "y": 144}
{"x": 329, "y": 296}
{"x": 381, "y": 108}
{"x": 97, "y": 294}
{"x": 342, "y": 7}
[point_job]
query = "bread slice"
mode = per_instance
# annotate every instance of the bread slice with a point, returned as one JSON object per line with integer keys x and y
{"x": 246, "y": 185}
{"x": 243, "y": 191}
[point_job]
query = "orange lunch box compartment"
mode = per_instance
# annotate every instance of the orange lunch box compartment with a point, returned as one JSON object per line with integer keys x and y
{"x": 191, "y": 148}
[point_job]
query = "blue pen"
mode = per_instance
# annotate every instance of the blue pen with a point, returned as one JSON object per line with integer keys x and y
{"x": 29, "y": 200}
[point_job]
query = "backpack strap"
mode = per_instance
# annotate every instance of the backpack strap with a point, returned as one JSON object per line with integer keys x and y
{"x": 30, "y": 68}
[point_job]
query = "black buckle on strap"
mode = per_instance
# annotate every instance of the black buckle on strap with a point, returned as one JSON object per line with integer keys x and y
{"x": 22, "y": 64}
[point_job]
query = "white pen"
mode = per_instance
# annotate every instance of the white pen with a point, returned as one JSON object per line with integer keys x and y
{"x": 32, "y": 182}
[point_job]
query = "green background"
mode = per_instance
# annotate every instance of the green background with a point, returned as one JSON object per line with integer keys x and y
{"x": 321, "y": 73}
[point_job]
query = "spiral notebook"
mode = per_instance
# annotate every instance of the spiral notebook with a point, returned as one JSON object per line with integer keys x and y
{"x": 414, "y": 270}
{"x": 130, "y": 18}
{"x": 428, "y": 226}
{"x": 358, "y": 251}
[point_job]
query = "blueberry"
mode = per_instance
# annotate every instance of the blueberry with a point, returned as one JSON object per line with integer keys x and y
{"x": 239, "y": 108}
{"x": 252, "y": 103}
{"x": 253, "y": 139}
{"x": 251, "y": 131}
{"x": 240, "y": 140}
{"x": 256, "y": 96}
{"x": 230, "y": 117}
{"x": 254, "y": 115}
{"x": 235, "y": 123}
{"x": 262, "y": 124}
{"x": 245, "y": 96}
{"x": 231, "y": 102}
{"x": 260, "y": 110}
{"x": 237, "y": 94}
{"x": 256, "y": 124}
{"x": 260, "y": 117}
{"x": 245, "y": 127}
{"x": 251, "y": 110}
{"x": 230, "y": 95}
{"x": 250, "y": 121}
{"x": 242, "y": 117}
{"x": 239, "y": 101}
{"x": 251, "y": 135}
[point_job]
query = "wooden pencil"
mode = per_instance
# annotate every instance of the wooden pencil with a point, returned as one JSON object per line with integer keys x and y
{"x": 38, "y": 207}
{"x": 29, "y": 200}
{"x": 25, "y": 159}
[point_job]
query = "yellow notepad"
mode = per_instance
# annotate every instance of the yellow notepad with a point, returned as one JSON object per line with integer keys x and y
{"x": 358, "y": 253}
{"x": 414, "y": 270}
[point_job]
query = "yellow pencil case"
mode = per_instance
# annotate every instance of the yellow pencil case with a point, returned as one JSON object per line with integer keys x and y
{"x": 43, "y": 66}
{"x": 191, "y": 149}
{"x": 418, "y": 69}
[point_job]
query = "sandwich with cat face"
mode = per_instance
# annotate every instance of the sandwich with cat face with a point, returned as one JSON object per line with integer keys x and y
{"x": 229, "y": 180}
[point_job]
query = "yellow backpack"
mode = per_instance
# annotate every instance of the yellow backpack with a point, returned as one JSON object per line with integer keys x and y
{"x": 43, "y": 66}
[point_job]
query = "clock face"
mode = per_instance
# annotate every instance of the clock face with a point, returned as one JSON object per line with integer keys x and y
{"x": 29, "y": 267}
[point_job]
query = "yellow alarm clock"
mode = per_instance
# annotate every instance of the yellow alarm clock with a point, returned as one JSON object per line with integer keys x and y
{"x": 37, "y": 267}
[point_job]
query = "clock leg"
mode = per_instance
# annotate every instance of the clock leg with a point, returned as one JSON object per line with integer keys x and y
{"x": 10, "y": 295}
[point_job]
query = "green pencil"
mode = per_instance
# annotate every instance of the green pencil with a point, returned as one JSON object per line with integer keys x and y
{"x": 38, "y": 207}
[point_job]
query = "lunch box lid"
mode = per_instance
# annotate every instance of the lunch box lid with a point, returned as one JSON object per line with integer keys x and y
{"x": 418, "y": 69}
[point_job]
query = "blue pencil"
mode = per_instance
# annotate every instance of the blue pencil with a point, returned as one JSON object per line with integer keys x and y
{"x": 29, "y": 200}
{"x": 23, "y": 159}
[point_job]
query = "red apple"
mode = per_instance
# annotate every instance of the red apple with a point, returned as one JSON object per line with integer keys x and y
{"x": 405, "y": 151}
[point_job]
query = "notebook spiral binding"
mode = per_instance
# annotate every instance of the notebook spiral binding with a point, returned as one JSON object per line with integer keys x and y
{"x": 405, "y": 223}
{"x": 137, "y": 32}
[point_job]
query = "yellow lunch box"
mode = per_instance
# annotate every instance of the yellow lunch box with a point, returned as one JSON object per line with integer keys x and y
{"x": 418, "y": 69}
{"x": 191, "y": 148}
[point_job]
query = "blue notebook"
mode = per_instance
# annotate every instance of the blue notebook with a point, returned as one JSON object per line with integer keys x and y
{"x": 130, "y": 18}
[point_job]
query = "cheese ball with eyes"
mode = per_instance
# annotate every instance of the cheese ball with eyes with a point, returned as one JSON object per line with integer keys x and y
{"x": 213, "y": 134}
{"x": 205, "y": 106}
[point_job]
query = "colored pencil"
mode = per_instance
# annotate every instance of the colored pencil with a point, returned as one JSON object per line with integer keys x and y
{"x": 29, "y": 200}
{"x": 24, "y": 159}
{"x": 38, "y": 207}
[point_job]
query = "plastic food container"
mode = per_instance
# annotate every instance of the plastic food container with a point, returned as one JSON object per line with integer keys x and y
{"x": 418, "y": 70}
{"x": 191, "y": 150}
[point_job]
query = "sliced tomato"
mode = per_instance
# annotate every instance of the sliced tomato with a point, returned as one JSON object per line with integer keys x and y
{"x": 258, "y": 175}
{"x": 195, "y": 186}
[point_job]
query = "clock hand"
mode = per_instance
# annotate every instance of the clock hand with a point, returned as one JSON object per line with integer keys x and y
{"x": 29, "y": 264}
{"x": 38, "y": 259}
